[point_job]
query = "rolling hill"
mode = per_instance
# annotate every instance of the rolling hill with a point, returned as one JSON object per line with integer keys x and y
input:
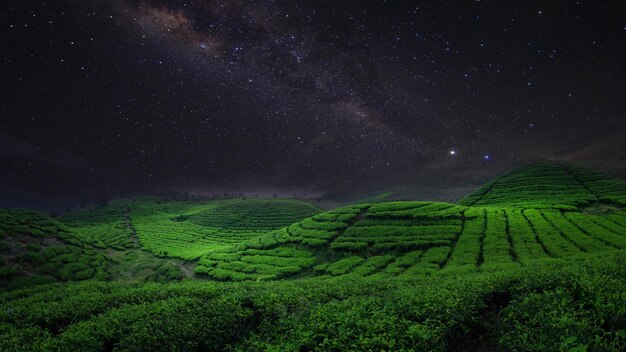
{"x": 545, "y": 217}
{"x": 533, "y": 260}
{"x": 550, "y": 185}
{"x": 145, "y": 239}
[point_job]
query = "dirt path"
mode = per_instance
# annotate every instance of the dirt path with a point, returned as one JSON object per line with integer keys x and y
{"x": 184, "y": 267}
{"x": 133, "y": 233}
{"x": 360, "y": 216}
{"x": 187, "y": 271}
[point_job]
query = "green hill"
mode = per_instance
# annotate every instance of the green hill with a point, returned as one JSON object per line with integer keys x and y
{"x": 188, "y": 230}
{"x": 417, "y": 238}
{"x": 36, "y": 249}
{"x": 532, "y": 261}
{"x": 550, "y": 185}
{"x": 145, "y": 239}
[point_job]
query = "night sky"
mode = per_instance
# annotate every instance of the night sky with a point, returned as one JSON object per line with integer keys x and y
{"x": 126, "y": 97}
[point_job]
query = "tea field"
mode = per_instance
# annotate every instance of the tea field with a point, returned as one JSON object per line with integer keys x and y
{"x": 532, "y": 261}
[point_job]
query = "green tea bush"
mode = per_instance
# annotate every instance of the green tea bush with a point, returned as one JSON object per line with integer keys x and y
{"x": 342, "y": 266}
{"x": 537, "y": 308}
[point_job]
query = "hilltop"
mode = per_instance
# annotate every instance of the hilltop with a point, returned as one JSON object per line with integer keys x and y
{"x": 550, "y": 185}
{"x": 284, "y": 274}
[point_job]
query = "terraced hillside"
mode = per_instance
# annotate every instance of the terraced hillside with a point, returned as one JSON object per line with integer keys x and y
{"x": 102, "y": 227}
{"x": 541, "y": 269}
{"x": 536, "y": 212}
{"x": 550, "y": 185}
{"x": 417, "y": 238}
{"x": 555, "y": 213}
{"x": 36, "y": 249}
{"x": 189, "y": 230}
{"x": 144, "y": 239}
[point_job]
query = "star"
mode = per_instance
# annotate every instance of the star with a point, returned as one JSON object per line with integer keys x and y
{"x": 239, "y": 83}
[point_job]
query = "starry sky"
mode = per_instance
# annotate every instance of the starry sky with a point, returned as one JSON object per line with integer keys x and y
{"x": 125, "y": 96}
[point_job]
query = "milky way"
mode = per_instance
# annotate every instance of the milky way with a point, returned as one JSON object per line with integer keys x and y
{"x": 321, "y": 95}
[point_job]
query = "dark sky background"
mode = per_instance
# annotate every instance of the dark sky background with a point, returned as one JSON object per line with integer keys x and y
{"x": 123, "y": 96}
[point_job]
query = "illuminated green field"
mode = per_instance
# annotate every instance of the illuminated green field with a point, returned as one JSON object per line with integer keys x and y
{"x": 534, "y": 260}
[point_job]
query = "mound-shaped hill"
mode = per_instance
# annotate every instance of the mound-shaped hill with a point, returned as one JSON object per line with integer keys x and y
{"x": 549, "y": 185}
{"x": 37, "y": 249}
{"x": 189, "y": 230}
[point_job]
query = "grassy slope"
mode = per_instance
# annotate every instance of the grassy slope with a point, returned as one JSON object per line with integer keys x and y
{"x": 549, "y": 185}
{"x": 187, "y": 229}
{"x": 36, "y": 249}
{"x": 532, "y": 261}
{"x": 145, "y": 239}
{"x": 530, "y": 214}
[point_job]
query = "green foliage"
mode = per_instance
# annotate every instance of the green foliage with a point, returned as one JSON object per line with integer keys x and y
{"x": 584, "y": 311}
{"x": 542, "y": 308}
{"x": 373, "y": 265}
{"x": 340, "y": 267}
{"x": 526, "y": 243}
{"x": 497, "y": 249}
{"x": 166, "y": 273}
{"x": 404, "y": 262}
{"x": 414, "y": 211}
{"x": 43, "y": 250}
{"x": 249, "y": 263}
{"x": 533, "y": 261}
{"x": 188, "y": 230}
{"x": 103, "y": 226}
{"x": 9, "y": 271}
{"x": 28, "y": 222}
{"x": 590, "y": 227}
{"x": 548, "y": 185}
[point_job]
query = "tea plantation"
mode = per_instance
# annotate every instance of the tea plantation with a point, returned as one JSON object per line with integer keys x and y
{"x": 534, "y": 260}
